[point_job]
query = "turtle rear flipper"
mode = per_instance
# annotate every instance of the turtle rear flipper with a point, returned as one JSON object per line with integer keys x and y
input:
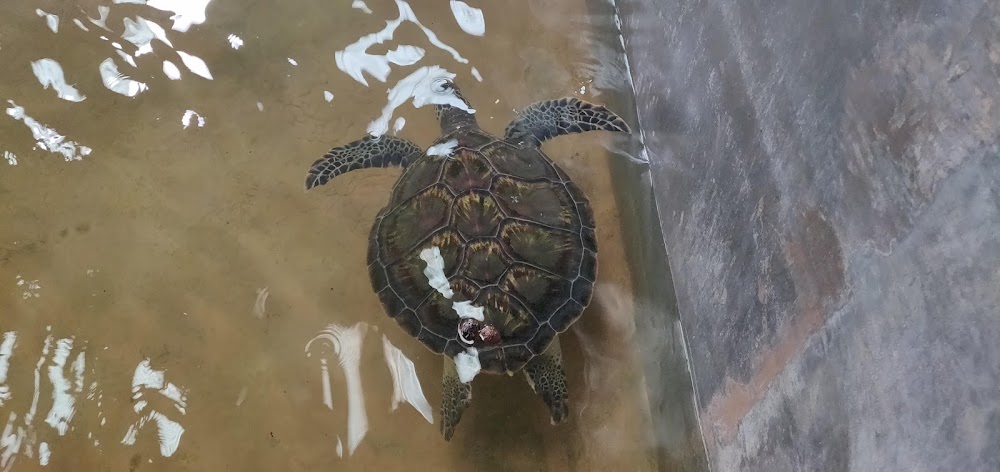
{"x": 548, "y": 119}
{"x": 455, "y": 397}
{"x": 547, "y": 378}
{"x": 382, "y": 151}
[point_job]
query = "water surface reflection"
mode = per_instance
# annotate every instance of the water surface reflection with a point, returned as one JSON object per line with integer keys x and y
{"x": 161, "y": 268}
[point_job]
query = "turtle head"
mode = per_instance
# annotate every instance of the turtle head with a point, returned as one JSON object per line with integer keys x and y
{"x": 452, "y": 117}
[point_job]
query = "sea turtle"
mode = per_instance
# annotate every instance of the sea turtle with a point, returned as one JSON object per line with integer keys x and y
{"x": 486, "y": 250}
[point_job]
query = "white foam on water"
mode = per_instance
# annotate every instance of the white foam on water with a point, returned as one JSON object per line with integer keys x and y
{"x": 467, "y": 365}
{"x": 50, "y": 74}
{"x": 241, "y": 397}
{"x": 360, "y": 5}
{"x": 169, "y": 432}
{"x": 405, "y": 55}
{"x": 475, "y": 73}
{"x": 141, "y": 32}
{"x": 328, "y": 96}
{"x": 195, "y": 64}
{"x": 79, "y": 24}
{"x": 260, "y": 106}
{"x": 405, "y": 384}
{"x": 101, "y": 20}
{"x": 145, "y": 377}
{"x": 30, "y": 416}
{"x": 79, "y": 364}
{"x": 10, "y": 442}
{"x": 356, "y": 61}
{"x": 51, "y": 20}
{"x": 186, "y": 121}
{"x": 171, "y": 71}
{"x": 260, "y": 304}
{"x": 127, "y": 58}
{"x": 43, "y": 454}
{"x": 444, "y": 149}
{"x": 435, "y": 271}
{"x": 178, "y": 396}
{"x": 346, "y": 344}
{"x": 29, "y": 288}
{"x": 422, "y": 87}
{"x": 117, "y": 82}
{"x": 6, "y": 351}
{"x": 340, "y": 447}
{"x": 116, "y": 45}
{"x": 235, "y": 41}
{"x": 398, "y": 125}
{"x": 466, "y": 309}
{"x": 63, "y": 402}
{"x": 186, "y": 12}
{"x": 10, "y": 157}
{"x": 47, "y": 138}
{"x": 470, "y": 19}
{"x": 325, "y": 380}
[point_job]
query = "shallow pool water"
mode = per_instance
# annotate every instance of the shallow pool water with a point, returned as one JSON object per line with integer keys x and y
{"x": 171, "y": 298}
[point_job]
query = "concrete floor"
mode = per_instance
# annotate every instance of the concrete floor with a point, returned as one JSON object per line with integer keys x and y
{"x": 827, "y": 179}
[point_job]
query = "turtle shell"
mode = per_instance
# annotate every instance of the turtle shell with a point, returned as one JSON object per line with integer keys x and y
{"x": 517, "y": 239}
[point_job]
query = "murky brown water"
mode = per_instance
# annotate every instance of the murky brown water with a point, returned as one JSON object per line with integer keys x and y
{"x": 156, "y": 245}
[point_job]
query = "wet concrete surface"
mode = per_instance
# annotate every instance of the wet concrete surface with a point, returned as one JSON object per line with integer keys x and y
{"x": 827, "y": 179}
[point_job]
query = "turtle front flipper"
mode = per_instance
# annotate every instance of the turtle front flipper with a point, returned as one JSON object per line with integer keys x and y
{"x": 455, "y": 396}
{"x": 548, "y": 379}
{"x": 370, "y": 151}
{"x": 548, "y": 119}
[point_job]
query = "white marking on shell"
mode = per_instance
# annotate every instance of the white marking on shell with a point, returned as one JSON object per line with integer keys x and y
{"x": 467, "y": 365}
{"x": 435, "y": 271}
{"x": 444, "y": 149}
{"x": 468, "y": 310}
